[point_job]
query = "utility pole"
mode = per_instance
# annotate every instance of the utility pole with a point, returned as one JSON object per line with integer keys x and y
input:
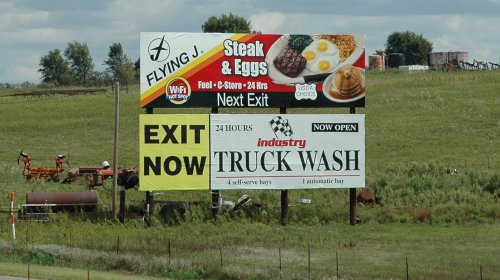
{"x": 115, "y": 154}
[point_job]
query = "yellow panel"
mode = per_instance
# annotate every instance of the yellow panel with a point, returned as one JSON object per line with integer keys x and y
{"x": 174, "y": 152}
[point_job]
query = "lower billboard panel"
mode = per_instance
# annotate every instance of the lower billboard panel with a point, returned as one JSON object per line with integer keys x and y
{"x": 250, "y": 151}
{"x": 287, "y": 151}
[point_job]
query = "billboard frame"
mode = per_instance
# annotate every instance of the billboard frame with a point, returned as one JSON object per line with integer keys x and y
{"x": 149, "y": 108}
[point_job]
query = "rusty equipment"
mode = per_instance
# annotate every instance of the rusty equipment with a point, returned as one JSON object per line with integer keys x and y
{"x": 365, "y": 197}
{"x": 39, "y": 204}
{"x": 41, "y": 173}
{"x": 369, "y": 198}
{"x": 62, "y": 198}
{"x": 96, "y": 175}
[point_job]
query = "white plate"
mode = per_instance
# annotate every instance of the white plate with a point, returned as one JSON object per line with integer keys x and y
{"x": 282, "y": 42}
{"x": 328, "y": 81}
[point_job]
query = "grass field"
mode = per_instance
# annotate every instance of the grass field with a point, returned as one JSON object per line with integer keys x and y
{"x": 252, "y": 251}
{"x": 416, "y": 127}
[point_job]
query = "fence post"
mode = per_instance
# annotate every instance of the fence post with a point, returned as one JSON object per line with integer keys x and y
{"x": 118, "y": 245}
{"x": 215, "y": 204}
{"x": 407, "y": 273}
{"x": 220, "y": 252}
{"x": 28, "y": 231}
{"x": 169, "y": 251}
{"x": 1, "y": 222}
{"x": 279, "y": 254}
{"x": 122, "y": 206}
{"x": 337, "y": 262}
{"x": 284, "y": 207}
{"x": 309, "y": 261}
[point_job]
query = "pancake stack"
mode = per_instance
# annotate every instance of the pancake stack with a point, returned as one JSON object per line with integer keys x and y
{"x": 348, "y": 82}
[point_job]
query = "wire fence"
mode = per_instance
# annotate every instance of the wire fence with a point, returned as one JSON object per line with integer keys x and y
{"x": 154, "y": 252}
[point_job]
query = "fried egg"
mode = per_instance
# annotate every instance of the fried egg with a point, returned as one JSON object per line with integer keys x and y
{"x": 325, "y": 47}
{"x": 321, "y": 56}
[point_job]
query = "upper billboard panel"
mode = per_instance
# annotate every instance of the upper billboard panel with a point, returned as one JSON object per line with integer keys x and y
{"x": 252, "y": 70}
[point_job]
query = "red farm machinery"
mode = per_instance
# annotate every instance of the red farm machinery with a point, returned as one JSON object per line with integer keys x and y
{"x": 41, "y": 173}
{"x": 96, "y": 175}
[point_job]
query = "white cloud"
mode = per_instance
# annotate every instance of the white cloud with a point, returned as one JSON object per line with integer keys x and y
{"x": 38, "y": 36}
{"x": 23, "y": 19}
{"x": 445, "y": 43}
{"x": 25, "y": 73}
{"x": 22, "y": 67}
{"x": 268, "y": 22}
{"x": 455, "y": 23}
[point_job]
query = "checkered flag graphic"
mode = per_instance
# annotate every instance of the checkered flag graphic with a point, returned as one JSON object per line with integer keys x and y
{"x": 279, "y": 124}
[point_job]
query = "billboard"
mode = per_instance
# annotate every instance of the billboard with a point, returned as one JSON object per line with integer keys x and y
{"x": 251, "y": 70}
{"x": 249, "y": 151}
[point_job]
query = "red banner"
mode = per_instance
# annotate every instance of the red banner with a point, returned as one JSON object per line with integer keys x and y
{"x": 252, "y": 70}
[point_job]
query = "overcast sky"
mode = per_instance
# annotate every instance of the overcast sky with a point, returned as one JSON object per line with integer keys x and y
{"x": 30, "y": 29}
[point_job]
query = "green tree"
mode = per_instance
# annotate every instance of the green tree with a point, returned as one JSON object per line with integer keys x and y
{"x": 119, "y": 65}
{"x": 414, "y": 47}
{"x": 54, "y": 68}
{"x": 115, "y": 58}
{"x": 227, "y": 24}
{"x": 137, "y": 69}
{"x": 80, "y": 61}
{"x": 100, "y": 79}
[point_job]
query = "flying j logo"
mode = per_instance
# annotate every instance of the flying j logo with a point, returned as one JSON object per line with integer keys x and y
{"x": 158, "y": 49}
{"x": 178, "y": 91}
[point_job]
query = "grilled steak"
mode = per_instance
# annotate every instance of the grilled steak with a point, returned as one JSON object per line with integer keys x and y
{"x": 290, "y": 62}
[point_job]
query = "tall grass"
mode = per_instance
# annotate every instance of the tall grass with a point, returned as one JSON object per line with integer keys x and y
{"x": 251, "y": 250}
{"x": 417, "y": 126}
